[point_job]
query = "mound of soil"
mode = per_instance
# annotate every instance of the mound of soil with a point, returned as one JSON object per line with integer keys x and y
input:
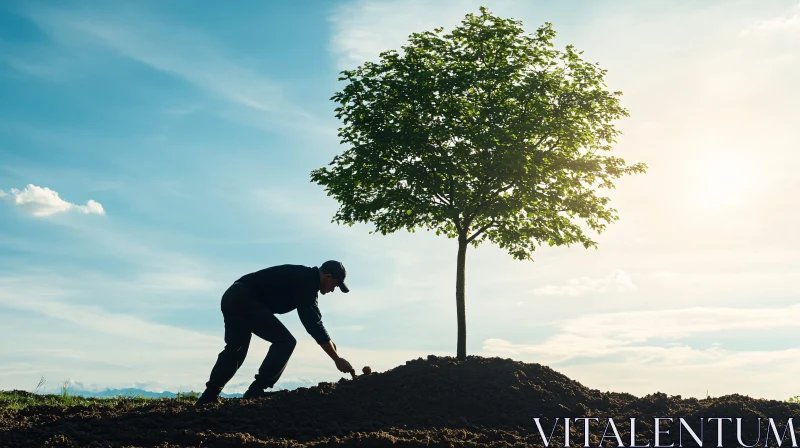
{"x": 433, "y": 402}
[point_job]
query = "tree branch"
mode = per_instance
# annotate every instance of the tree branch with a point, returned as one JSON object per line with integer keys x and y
{"x": 480, "y": 231}
{"x": 489, "y": 199}
{"x": 448, "y": 175}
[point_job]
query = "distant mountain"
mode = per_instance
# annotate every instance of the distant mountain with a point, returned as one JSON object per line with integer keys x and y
{"x": 131, "y": 391}
{"x": 136, "y": 392}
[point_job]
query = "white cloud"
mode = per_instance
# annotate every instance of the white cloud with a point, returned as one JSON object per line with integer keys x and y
{"x": 42, "y": 201}
{"x": 629, "y": 352}
{"x": 618, "y": 281}
{"x": 789, "y": 22}
{"x": 767, "y": 374}
{"x": 602, "y": 335}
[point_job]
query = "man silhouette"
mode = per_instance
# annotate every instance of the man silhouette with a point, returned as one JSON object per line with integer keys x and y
{"x": 249, "y": 307}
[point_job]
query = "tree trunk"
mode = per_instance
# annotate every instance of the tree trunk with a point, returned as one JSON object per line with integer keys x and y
{"x": 461, "y": 349}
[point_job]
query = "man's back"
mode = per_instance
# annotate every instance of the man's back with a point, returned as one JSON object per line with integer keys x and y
{"x": 284, "y": 287}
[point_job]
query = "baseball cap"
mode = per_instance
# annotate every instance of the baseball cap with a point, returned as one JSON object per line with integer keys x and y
{"x": 337, "y": 271}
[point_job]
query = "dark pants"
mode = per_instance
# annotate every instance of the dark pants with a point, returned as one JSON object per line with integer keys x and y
{"x": 244, "y": 316}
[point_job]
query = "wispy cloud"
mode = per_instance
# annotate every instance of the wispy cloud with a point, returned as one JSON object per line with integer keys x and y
{"x": 177, "y": 282}
{"x": 618, "y": 281}
{"x": 50, "y": 70}
{"x": 786, "y": 23}
{"x": 301, "y": 204}
{"x": 46, "y": 62}
{"x": 185, "y": 53}
{"x": 42, "y": 201}
{"x": 364, "y": 28}
{"x": 642, "y": 352}
{"x": 604, "y": 335}
{"x": 53, "y": 302}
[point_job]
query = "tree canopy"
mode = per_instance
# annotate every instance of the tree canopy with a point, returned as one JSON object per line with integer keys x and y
{"x": 483, "y": 133}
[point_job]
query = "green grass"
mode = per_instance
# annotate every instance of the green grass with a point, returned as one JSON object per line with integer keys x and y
{"x": 22, "y": 399}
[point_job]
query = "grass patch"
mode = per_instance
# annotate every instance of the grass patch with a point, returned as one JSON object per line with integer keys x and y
{"x": 17, "y": 399}
{"x": 20, "y": 399}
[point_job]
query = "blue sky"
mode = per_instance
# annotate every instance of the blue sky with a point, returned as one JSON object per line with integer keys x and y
{"x": 153, "y": 152}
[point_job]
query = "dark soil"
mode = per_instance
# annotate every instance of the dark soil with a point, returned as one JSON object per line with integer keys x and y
{"x": 433, "y": 402}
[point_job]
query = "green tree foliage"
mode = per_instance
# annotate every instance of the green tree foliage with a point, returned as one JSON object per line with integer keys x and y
{"x": 485, "y": 133}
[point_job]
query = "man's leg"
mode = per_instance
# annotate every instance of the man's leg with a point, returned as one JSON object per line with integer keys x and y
{"x": 237, "y": 341}
{"x": 263, "y": 323}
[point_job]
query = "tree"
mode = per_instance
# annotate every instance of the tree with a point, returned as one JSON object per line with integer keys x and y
{"x": 485, "y": 133}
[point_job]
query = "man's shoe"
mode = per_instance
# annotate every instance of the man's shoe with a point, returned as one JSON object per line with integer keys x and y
{"x": 208, "y": 398}
{"x": 256, "y": 393}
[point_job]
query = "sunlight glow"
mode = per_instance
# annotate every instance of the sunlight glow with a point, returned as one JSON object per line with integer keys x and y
{"x": 721, "y": 180}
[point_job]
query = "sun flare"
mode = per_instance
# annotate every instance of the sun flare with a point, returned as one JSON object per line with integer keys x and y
{"x": 721, "y": 181}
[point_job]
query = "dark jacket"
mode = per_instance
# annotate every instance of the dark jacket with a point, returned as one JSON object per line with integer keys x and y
{"x": 287, "y": 287}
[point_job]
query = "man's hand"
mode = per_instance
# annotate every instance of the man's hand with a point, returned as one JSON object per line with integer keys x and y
{"x": 345, "y": 366}
{"x": 341, "y": 363}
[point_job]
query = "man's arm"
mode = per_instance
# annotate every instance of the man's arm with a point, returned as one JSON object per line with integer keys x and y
{"x": 311, "y": 318}
{"x": 330, "y": 349}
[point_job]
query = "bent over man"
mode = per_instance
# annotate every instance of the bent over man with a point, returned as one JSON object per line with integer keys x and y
{"x": 249, "y": 307}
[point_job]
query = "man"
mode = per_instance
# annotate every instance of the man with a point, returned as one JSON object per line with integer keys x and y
{"x": 249, "y": 307}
